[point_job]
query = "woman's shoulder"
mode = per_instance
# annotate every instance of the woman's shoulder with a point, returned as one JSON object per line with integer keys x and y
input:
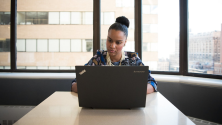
{"x": 129, "y": 54}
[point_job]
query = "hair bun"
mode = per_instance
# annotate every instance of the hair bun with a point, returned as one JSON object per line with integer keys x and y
{"x": 123, "y": 20}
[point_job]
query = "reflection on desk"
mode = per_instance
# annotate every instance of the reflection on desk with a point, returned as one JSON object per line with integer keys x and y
{"x": 62, "y": 108}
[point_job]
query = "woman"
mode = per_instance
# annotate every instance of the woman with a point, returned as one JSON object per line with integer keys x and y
{"x": 114, "y": 56}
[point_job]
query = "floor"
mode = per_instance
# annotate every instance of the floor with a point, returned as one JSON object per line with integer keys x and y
{"x": 10, "y": 114}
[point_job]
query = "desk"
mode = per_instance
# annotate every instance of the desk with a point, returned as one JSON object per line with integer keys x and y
{"x": 61, "y": 108}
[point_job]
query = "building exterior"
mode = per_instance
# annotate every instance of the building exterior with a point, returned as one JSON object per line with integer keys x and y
{"x": 59, "y": 34}
{"x": 204, "y": 52}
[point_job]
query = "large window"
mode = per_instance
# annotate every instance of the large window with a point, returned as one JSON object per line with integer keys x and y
{"x": 109, "y": 15}
{"x": 204, "y": 46}
{"x": 5, "y": 35}
{"x": 160, "y": 46}
{"x": 59, "y": 35}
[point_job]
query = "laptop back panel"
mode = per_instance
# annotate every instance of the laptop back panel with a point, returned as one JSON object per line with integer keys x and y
{"x": 112, "y": 86}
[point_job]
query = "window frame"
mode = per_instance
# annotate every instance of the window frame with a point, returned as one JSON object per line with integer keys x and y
{"x": 183, "y": 56}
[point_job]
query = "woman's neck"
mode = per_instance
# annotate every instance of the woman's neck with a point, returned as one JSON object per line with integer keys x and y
{"x": 116, "y": 58}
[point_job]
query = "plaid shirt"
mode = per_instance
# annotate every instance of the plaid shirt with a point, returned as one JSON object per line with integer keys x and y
{"x": 131, "y": 59}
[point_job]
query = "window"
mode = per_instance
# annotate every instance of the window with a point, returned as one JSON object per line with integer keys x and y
{"x": 64, "y": 45}
{"x": 150, "y": 9}
{"x": 87, "y": 17}
{"x": 109, "y": 15}
{"x": 21, "y": 18}
{"x": 30, "y": 45}
{"x": 64, "y": 17}
{"x": 53, "y": 45}
{"x": 4, "y": 45}
{"x": 76, "y": 45}
{"x": 42, "y": 45}
{"x": 160, "y": 47}
{"x": 21, "y": 45}
{"x": 207, "y": 59}
{"x": 5, "y": 35}
{"x": 108, "y": 18}
{"x": 76, "y": 18}
{"x": 4, "y": 18}
{"x": 31, "y": 18}
{"x": 53, "y": 17}
{"x": 42, "y": 17}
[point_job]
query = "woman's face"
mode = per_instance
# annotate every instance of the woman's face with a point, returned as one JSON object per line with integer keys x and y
{"x": 115, "y": 42}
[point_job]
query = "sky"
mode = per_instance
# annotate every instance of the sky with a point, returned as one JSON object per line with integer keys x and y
{"x": 204, "y": 16}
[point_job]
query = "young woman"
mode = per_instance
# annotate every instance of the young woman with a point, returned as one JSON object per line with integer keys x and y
{"x": 115, "y": 56}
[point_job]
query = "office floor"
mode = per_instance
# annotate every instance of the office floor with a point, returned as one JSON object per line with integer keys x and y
{"x": 10, "y": 114}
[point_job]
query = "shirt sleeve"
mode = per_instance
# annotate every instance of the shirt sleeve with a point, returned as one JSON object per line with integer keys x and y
{"x": 150, "y": 79}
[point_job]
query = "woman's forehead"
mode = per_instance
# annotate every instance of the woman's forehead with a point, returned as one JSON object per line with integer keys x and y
{"x": 116, "y": 34}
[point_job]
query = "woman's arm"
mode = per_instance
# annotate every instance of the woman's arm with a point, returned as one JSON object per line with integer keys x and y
{"x": 150, "y": 89}
{"x": 74, "y": 87}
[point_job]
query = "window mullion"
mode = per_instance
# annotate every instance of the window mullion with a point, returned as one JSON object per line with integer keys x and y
{"x": 96, "y": 25}
{"x": 13, "y": 35}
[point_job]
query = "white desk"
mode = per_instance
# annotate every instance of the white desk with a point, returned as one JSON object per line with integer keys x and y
{"x": 61, "y": 108}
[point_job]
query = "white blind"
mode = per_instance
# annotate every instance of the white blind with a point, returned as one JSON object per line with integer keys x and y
{"x": 20, "y": 45}
{"x": 64, "y": 45}
{"x": 30, "y": 45}
{"x": 53, "y": 45}
{"x": 76, "y": 18}
{"x": 88, "y": 18}
{"x": 53, "y": 17}
{"x": 64, "y": 17}
{"x": 42, "y": 45}
{"x": 76, "y": 45}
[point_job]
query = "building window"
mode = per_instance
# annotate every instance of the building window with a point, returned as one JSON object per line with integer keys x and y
{"x": 42, "y": 17}
{"x": 20, "y": 45}
{"x": 76, "y": 18}
{"x": 30, "y": 45}
{"x": 31, "y": 18}
{"x": 64, "y": 45}
{"x": 53, "y": 17}
{"x": 5, "y": 18}
{"x": 76, "y": 45}
{"x": 21, "y": 18}
{"x": 64, "y": 17}
{"x": 53, "y": 45}
{"x": 42, "y": 45}
{"x": 87, "y": 17}
{"x": 4, "y": 45}
{"x": 87, "y": 45}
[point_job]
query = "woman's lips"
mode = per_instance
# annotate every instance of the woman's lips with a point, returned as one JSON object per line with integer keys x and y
{"x": 111, "y": 51}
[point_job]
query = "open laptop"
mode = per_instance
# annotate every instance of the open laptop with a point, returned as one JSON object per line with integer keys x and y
{"x": 112, "y": 86}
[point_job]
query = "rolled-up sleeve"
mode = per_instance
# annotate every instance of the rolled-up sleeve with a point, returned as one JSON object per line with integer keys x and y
{"x": 152, "y": 81}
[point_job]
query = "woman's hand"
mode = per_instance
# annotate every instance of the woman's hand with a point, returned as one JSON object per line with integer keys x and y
{"x": 74, "y": 87}
{"x": 150, "y": 89}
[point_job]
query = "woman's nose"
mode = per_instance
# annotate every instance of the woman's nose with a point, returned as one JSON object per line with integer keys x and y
{"x": 112, "y": 45}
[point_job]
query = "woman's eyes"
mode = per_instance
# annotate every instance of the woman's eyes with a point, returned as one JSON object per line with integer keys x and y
{"x": 116, "y": 42}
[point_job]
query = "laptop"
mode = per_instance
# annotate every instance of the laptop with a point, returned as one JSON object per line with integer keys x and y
{"x": 112, "y": 87}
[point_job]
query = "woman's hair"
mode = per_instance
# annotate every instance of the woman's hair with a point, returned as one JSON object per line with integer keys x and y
{"x": 122, "y": 24}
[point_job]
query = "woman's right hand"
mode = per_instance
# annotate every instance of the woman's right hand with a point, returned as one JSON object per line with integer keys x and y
{"x": 74, "y": 87}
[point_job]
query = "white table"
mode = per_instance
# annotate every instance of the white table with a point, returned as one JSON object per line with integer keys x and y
{"x": 61, "y": 108}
